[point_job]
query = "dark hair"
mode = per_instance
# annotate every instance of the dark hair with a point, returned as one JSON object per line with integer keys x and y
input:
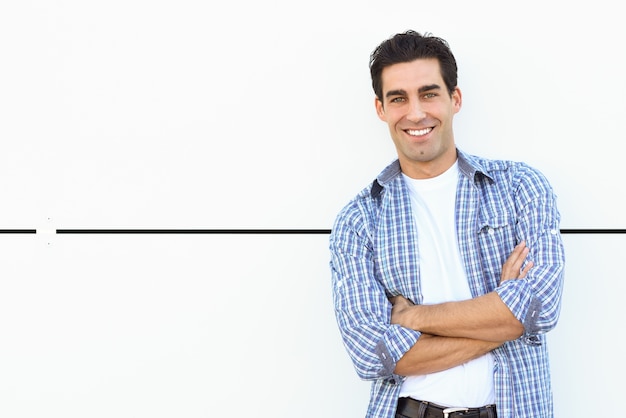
{"x": 407, "y": 47}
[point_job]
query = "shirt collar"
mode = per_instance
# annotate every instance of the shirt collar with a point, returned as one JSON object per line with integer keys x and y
{"x": 469, "y": 166}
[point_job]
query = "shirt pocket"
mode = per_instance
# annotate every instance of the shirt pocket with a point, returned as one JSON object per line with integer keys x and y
{"x": 496, "y": 225}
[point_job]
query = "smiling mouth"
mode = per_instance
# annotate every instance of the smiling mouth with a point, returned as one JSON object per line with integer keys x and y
{"x": 418, "y": 132}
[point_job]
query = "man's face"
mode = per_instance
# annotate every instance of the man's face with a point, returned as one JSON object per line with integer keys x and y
{"x": 419, "y": 110}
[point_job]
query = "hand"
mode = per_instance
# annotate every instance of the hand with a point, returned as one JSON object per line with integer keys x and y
{"x": 400, "y": 307}
{"x": 512, "y": 268}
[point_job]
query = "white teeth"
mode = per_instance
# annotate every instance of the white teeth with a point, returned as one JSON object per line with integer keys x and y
{"x": 419, "y": 132}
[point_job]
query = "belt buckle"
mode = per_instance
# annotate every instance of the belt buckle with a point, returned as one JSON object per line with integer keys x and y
{"x": 448, "y": 411}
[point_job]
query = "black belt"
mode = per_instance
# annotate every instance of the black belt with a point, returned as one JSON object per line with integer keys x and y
{"x": 411, "y": 408}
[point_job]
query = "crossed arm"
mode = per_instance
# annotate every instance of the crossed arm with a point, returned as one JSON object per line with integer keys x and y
{"x": 456, "y": 332}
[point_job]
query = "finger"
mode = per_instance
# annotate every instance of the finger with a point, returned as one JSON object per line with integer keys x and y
{"x": 396, "y": 299}
{"x": 524, "y": 272}
{"x": 517, "y": 252}
{"x": 517, "y": 257}
{"x": 520, "y": 250}
{"x": 512, "y": 267}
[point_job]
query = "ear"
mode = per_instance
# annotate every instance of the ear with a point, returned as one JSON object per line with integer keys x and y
{"x": 457, "y": 99}
{"x": 380, "y": 110}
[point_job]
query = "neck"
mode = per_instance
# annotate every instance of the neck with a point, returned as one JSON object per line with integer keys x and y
{"x": 428, "y": 169}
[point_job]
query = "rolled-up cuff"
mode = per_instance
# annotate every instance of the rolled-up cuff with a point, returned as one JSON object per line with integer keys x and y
{"x": 394, "y": 344}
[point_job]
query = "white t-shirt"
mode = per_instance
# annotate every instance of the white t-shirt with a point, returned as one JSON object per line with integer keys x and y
{"x": 443, "y": 279}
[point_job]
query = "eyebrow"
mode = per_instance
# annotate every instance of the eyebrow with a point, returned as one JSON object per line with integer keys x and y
{"x": 422, "y": 89}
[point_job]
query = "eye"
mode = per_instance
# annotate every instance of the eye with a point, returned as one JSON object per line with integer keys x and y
{"x": 430, "y": 95}
{"x": 397, "y": 100}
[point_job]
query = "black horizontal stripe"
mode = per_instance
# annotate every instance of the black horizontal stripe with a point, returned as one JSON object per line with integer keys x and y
{"x": 244, "y": 231}
{"x": 194, "y": 231}
{"x": 593, "y": 231}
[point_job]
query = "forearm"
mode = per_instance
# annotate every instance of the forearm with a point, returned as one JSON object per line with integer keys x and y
{"x": 483, "y": 318}
{"x": 434, "y": 353}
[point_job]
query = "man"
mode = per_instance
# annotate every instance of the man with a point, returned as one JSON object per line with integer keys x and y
{"x": 448, "y": 269}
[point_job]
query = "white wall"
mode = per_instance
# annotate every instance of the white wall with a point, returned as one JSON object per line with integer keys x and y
{"x": 171, "y": 326}
{"x": 585, "y": 351}
{"x": 256, "y": 115}
{"x": 136, "y": 113}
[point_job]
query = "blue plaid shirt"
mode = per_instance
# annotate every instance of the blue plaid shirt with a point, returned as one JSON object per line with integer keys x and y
{"x": 374, "y": 254}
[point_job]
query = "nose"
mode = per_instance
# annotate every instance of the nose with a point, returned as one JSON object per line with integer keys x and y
{"x": 415, "y": 112}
